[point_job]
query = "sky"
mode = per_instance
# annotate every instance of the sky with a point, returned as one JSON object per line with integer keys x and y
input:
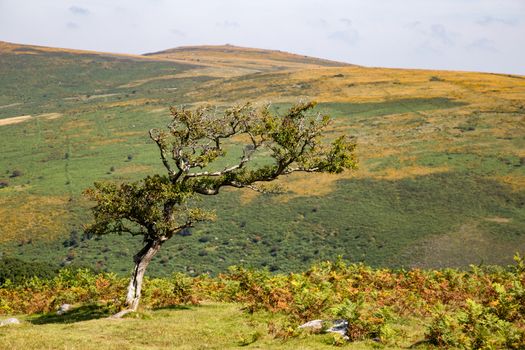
{"x": 471, "y": 35}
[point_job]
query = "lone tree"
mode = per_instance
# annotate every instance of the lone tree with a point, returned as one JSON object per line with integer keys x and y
{"x": 159, "y": 207}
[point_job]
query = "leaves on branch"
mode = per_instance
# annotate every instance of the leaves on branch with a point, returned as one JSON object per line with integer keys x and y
{"x": 161, "y": 206}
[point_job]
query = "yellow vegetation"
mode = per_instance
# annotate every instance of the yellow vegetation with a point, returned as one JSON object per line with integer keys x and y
{"x": 28, "y": 216}
{"x": 133, "y": 169}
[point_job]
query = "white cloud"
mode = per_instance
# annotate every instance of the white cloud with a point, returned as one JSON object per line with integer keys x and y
{"x": 227, "y": 24}
{"x": 483, "y": 44}
{"x": 71, "y": 25}
{"x": 77, "y": 10}
{"x": 349, "y": 37}
{"x": 490, "y": 20}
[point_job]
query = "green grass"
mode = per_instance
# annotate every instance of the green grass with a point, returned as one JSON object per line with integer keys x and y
{"x": 51, "y": 81}
{"x": 209, "y": 326}
{"x": 376, "y": 109}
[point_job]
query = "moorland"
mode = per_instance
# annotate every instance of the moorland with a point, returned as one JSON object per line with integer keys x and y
{"x": 438, "y": 199}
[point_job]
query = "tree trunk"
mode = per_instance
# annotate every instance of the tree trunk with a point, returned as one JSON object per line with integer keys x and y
{"x": 142, "y": 260}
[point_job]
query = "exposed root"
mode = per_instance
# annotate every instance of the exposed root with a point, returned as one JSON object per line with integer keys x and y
{"x": 121, "y": 314}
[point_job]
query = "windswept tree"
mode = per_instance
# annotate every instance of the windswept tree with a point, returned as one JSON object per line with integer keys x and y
{"x": 159, "y": 207}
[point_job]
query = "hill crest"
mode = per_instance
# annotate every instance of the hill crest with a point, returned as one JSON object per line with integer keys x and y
{"x": 231, "y": 55}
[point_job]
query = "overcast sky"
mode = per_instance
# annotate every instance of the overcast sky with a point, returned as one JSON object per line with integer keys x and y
{"x": 474, "y": 35}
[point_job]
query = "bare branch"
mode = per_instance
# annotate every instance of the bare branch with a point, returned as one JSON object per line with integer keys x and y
{"x": 158, "y": 141}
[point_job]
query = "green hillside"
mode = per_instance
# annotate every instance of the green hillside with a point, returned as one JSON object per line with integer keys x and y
{"x": 441, "y": 178}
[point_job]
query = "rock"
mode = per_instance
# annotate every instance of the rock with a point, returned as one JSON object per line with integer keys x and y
{"x": 9, "y": 321}
{"x": 315, "y": 324}
{"x": 63, "y": 309}
{"x": 339, "y": 326}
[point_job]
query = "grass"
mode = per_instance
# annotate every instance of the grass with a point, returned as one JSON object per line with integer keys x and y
{"x": 438, "y": 159}
{"x": 208, "y": 326}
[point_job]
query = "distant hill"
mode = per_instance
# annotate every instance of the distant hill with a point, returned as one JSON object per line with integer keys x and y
{"x": 242, "y": 57}
{"x": 441, "y": 181}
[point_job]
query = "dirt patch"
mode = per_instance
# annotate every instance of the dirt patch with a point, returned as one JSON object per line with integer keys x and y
{"x": 14, "y": 120}
{"x": 159, "y": 110}
{"x": 89, "y": 97}
{"x": 103, "y": 142}
{"x": 499, "y": 220}
{"x": 24, "y": 118}
{"x": 136, "y": 83}
{"x": 131, "y": 133}
{"x": 50, "y": 116}
{"x": 135, "y": 102}
{"x": 10, "y": 105}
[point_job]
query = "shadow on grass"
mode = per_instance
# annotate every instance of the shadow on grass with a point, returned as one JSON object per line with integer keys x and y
{"x": 175, "y": 307}
{"x": 421, "y": 344}
{"x": 81, "y": 313}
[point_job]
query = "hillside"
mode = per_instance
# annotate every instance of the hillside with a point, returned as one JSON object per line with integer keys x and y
{"x": 441, "y": 182}
{"x": 243, "y": 58}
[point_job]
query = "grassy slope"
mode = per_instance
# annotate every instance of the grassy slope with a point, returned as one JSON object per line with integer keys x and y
{"x": 441, "y": 159}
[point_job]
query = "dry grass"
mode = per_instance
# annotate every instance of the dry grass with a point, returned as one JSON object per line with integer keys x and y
{"x": 133, "y": 102}
{"x": 20, "y": 49}
{"x": 133, "y": 169}
{"x": 402, "y": 173}
{"x": 516, "y": 181}
{"x": 241, "y": 57}
{"x": 360, "y": 84}
{"x": 27, "y": 216}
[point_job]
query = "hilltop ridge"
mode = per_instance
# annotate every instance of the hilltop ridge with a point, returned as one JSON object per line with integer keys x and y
{"x": 230, "y": 55}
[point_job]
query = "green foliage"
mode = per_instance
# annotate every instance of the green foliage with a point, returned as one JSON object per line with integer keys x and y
{"x": 364, "y": 322}
{"x": 475, "y": 327}
{"x": 121, "y": 208}
{"x": 13, "y": 270}
{"x": 183, "y": 288}
{"x": 496, "y": 320}
{"x": 375, "y": 302}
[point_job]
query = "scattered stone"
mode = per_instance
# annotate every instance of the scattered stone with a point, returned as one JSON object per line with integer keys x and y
{"x": 337, "y": 326}
{"x": 63, "y": 309}
{"x": 340, "y": 327}
{"x": 9, "y": 321}
{"x": 315, "y": 325}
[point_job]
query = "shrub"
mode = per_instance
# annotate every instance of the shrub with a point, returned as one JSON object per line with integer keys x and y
{"x": 365, "y": 322}
{"x": 15, "y": 173}
{"x": 17, "y": 271}
{"x": 474, "y": 327}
